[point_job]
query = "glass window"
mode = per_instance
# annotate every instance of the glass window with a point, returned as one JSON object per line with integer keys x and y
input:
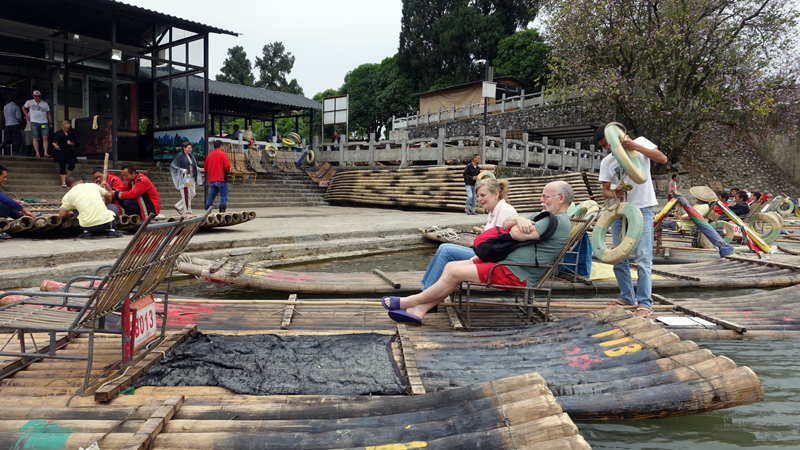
{"x": 196, "y": 53}
{"x": 179, "y": 56}
{"x": 178, "y": 34}
{"x": 162, "y": 104}
{"x": 146, "y": 67}
{"x": 75, "y": 93}
{"x": 124, "y": 93}
{"x": 178, "y": 101}
{"x": 196, "y": 98}
{"x": 99, "y": 100}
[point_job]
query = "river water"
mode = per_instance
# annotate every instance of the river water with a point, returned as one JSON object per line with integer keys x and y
{"x": 771, "y": 424}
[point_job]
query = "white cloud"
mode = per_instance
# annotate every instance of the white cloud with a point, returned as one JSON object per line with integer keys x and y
{"x": 327, "y": 38}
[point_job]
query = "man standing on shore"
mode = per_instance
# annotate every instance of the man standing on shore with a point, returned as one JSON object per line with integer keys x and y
{"x": 643, "y": 196}
{"x": 471, "y": 173}
{"x": 217, "y": 167}
{"x": 37, "y": 112}
{"x": 13, "y": 116}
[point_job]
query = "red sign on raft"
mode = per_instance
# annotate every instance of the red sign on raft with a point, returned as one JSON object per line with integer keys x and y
{"x": 144, "y": 328}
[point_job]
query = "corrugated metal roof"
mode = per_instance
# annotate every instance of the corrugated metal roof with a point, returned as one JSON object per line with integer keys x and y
{"x": 261, "y": 95}
{"x": 173, "y": 18}
{"x": 469, "y": 83}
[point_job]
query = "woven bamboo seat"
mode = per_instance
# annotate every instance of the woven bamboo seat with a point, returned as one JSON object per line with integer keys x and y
{"x": 579, "y": 227}
{"x": 254, "y": 158}
{"x": 140, "y": 268}
{"x": 325, "y": 173}
{"x": 238, "y": 165}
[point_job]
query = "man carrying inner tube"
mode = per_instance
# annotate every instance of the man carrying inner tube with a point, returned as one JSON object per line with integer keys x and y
{"x": 643, "y": 196}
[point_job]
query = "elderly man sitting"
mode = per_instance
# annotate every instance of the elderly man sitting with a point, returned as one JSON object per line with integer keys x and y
{"x": 556, "y": 196}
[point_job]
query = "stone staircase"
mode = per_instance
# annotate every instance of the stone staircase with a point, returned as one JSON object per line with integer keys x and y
{"x": 37, "y": 178}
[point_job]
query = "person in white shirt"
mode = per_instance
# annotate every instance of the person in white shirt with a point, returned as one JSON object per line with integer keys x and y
{"x": 642, "y": 196}
{"x": 37, "y": 111}
{"x": 491, "y": 194}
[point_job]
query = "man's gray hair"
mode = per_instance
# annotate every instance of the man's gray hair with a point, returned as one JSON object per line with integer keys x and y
{"x": 563, "y": 188}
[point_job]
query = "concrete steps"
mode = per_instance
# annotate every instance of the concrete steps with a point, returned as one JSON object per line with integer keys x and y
{"x": 38, "y": 178}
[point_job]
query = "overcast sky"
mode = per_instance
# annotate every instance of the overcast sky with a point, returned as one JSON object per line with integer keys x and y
{"x": 327, "y": 38}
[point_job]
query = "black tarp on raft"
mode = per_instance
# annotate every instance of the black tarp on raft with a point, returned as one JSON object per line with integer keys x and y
{"x": 267, "y": 364}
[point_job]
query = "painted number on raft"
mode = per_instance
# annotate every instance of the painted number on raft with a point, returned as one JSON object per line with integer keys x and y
{"x": 622, "y": 350}
{"x": 407, "y": 445}
{"x": 145, "y": 326}
{"x": 605, "y": 333}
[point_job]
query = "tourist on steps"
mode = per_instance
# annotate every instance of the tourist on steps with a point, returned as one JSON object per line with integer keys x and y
{"x": 491, "y": 195}
{"x": 186, "y": 177}
{"x": 556, "y": 197}
{"x": 643, "y": 196}
{"x": 64, "y": 146}
{"x": 471, "y": 172}
{"x": 217, "y": 167}
{"x": 37, "y": 111}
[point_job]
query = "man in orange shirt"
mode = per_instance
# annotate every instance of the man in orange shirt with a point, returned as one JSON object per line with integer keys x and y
{"x": 217, "y": 168}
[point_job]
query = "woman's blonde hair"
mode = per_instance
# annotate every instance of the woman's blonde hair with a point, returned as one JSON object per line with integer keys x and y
{"x": 65, "y": 122}
{"x": 494, "y": 186}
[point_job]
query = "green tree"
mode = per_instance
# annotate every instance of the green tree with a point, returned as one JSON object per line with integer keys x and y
{"x": 440, "y": 39}
{"x": 673, "y": 68}
{"x": 274, "y": 66}
{"x": 377, "y": 92}
{"x": 524, "y": 55}
{"x": 236, "y": 68}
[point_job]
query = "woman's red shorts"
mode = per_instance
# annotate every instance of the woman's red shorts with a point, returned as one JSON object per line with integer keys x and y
{"x": 500, "y": 275}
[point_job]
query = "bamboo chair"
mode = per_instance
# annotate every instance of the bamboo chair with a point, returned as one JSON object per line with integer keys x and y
{"x": 237, "y": 168}
{"x": 254, "y": 161}
{"x": 577, "y": 230}
{"x": 145, "y": 262}
{"x": 325, "y": 173}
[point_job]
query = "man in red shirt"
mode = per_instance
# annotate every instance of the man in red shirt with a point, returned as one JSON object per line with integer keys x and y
{"x": 217, "y": 167}
{"x": 137, "y": 194}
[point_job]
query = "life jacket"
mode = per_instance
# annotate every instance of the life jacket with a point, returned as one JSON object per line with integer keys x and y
{"x": 496, "y": 243}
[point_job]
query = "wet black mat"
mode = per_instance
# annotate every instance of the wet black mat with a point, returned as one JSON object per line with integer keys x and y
{"x": 267, "y": 364}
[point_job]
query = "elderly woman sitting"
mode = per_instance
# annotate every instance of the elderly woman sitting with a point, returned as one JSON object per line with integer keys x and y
{"x": 491, "y": 195}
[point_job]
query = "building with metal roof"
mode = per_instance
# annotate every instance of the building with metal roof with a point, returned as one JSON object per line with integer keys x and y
{"x": 79, "y": 53}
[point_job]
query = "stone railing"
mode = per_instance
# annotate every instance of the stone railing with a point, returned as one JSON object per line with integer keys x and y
{"x": 500, "y": 150}
{"x": 500, "y": 105}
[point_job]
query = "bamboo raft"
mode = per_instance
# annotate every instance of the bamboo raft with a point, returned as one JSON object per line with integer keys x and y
{"x": 604, "y": 365}
{"x": 442, "y": 187}
{"x": 730, "y": 272}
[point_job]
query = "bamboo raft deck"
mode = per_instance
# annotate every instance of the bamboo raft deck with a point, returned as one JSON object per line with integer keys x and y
{"x": 730, "y": 272}
{"x": 604, "y": 365}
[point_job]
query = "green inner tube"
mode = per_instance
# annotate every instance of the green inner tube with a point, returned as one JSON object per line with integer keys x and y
{"x": 628, "y": 160}
{"x": 773, "y": 221}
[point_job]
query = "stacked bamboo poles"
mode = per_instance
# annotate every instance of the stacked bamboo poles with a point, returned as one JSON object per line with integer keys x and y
{"x": 438, "y": 187}
{"x": 223, "y": 219}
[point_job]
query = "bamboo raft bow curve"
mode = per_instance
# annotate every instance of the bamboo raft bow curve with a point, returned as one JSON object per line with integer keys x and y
{"x": 730, "y": 272}
{"x": 604, "y": 365}
{"x": 441, "y": 187}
